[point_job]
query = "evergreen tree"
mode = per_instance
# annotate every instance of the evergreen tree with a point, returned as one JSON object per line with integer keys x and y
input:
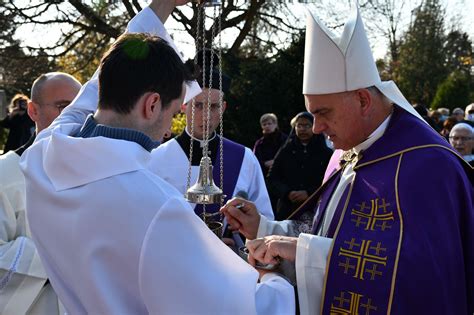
{"x": 421, "y": 66}
{"x": 261, "y": 85}
{"x": 458, "y": 49}
{"x": 453, "y": 92}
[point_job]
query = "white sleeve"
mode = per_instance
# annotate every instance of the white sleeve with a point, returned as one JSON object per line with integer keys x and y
{"x": 185, "y": 269}
{"x": 311, "y": 258}
{"x": 258, "y": 193}
{"x": 269, "y": 227}
{"x": 272, "y": 296}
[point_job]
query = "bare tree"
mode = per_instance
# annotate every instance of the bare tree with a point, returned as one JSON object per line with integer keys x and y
{"x": 106, "y": 20}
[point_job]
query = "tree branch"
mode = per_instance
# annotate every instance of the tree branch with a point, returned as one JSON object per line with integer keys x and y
{"x": 96, "y": 20}
{"x": 129, "y": 8}
{"x": 137, "y": 5}
{"x": 255, "y": 5}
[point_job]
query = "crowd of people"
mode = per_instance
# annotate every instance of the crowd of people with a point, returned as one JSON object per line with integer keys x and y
{"x": 457, "y": 127}
{"x": 335, "y": 215}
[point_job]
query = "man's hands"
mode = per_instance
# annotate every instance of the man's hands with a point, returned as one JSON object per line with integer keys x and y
{"x": 298, "y": 196}
{"x": 245, "y": 218}
{"x": 269, "y": 249}
{"x": 163, "y": 8}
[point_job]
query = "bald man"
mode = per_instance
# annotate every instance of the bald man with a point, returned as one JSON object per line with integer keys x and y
{"x": 23, "y": 282}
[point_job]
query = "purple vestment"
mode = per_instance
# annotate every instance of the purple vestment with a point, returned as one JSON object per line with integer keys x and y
{"x": 403, "y": 230}
{"x": 233, "y": 156}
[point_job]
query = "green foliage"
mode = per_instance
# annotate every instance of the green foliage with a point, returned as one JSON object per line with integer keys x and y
{"x": 421, "y": 64}
{"x": 453, "y": 92}
{"x": 458, "y": 52}
{"x": 20, "y": 70}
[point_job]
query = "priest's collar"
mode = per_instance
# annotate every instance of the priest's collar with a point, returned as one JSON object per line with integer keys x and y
{"x": 201, "y": 142}
{"x": 92, "y": 129}
{"x": 184, "y": 141}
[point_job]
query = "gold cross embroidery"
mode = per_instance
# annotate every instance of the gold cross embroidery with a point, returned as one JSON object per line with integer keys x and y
{"x": 351, "y": 305}
{"x": 342, "y": 299}
{"x": 346, "y": 265}
{"x": 360, "y": 261}
{"x": 377, "y": 216}
{"x": 368, "y": 307}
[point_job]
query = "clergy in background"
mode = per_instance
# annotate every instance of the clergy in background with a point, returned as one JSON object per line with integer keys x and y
{"x": 242, "y": 173}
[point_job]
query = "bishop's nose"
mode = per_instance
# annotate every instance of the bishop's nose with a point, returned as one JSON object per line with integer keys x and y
{"x": 318, "y": 126}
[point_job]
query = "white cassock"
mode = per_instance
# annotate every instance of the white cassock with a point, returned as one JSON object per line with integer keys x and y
{"x": 23, "y": 288}
{"x": 170, "y": 162}
{"x": 117, "y": 239}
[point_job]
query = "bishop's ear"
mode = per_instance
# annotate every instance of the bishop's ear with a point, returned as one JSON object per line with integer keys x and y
{"x": 365, "y": 99}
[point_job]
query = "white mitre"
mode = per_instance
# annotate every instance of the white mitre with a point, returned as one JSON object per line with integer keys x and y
{"x": 335, "y": 64}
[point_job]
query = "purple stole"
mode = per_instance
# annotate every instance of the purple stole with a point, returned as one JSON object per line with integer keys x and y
{"x": 366, "y": 244}
{"x": 233, "y": 158}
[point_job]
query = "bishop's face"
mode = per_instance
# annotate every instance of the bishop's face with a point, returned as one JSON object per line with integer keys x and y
{"x": 201, "y": 112}
{"x": 339, "y": 117}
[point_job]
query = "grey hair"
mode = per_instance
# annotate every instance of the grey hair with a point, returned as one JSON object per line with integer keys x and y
{"x": 269, "y": 116}
{"x": 377, "y": 93}
{"x": 462, "y": 126}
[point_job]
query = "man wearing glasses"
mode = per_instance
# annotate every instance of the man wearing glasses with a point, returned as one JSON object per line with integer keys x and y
{"x": 24, "y": 285}
{"x": 461, "y": 138}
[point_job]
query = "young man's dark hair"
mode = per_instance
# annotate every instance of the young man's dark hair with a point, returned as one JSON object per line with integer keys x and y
{"x": 136, "y": 64}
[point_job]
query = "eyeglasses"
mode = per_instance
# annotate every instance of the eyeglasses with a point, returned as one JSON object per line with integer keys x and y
{"x": 59, "y": 105}
{"x": 200, "y": 106}
{"x": 62, "y": 106}
{"x": 462, "y": 139}
{"x": 303, "y": 126}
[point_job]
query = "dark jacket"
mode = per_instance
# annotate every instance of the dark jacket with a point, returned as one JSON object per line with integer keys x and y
{"x": 297, "y": 167}
{"x": 21, "y": 127}
{"x": 267, "y": 147}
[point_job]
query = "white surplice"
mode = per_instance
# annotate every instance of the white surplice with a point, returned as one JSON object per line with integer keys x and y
{"x": 23, "y": 288}
{"x": 117, "y": 239}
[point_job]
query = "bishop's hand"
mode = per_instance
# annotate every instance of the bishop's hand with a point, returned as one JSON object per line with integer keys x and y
{"x": 270, "y": 249}
{"x": 242, "y": 215}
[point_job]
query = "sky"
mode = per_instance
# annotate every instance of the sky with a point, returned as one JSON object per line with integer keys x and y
{"x": 459, "y": 13}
